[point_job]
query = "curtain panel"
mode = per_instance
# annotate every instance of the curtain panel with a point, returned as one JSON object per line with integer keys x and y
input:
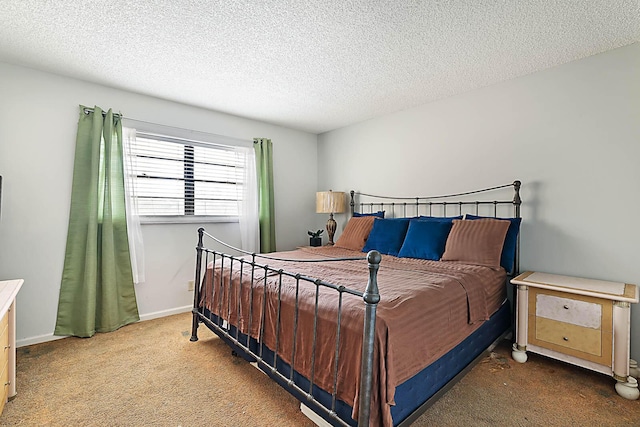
{"x": 97, "y": 292}
{"x": 249, "y": 216}
{"x": 266, "y": 211}
{"x": 134, "y": 230}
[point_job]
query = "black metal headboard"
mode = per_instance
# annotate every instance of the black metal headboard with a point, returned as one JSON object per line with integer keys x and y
{"x": 436, "y": 205}
{"x": 443, "y": 205}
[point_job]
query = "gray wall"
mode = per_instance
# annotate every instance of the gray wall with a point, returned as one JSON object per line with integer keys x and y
{"x": 38, "y": 122}
{"x": 570, "y": 133}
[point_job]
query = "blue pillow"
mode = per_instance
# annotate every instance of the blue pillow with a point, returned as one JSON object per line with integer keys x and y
{"x": 387, "y": 235}
{"x": 425, "y": 239}
{"x": 508, "y": 256}
{"x": 379, "y": 214}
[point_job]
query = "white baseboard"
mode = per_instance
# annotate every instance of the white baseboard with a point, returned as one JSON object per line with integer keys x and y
{"x": 50, "y": 337}
{"x": 165, "y": 313}
{"x": 37, "y": 340}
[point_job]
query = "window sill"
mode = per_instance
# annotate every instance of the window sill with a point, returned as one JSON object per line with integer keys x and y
{"x": 191, "y": 219}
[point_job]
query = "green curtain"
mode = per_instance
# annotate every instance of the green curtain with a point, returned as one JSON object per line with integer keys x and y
{"x": 97, "y": 292}
{"x": 266, "y": 212}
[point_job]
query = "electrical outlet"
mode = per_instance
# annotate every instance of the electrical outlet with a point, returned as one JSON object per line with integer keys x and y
{"x": 190, "y": 285}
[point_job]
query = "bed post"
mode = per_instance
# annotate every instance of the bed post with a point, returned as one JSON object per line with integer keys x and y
{"x": 371, "y": 298}
{"x": 196, "y": 288}
{"x": 517, "y": 201}
{"x": 352, "y": 204}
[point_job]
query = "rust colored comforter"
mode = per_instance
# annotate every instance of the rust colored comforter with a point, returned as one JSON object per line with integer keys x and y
{"x": 426, "y": 309}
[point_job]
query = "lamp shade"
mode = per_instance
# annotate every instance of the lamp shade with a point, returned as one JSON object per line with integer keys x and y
{"x": 330, "y": 202}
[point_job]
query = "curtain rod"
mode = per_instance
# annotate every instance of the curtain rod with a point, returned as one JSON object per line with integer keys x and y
{"x": 88, "y": 110}
{"x": 184, "y": 133}
{"x": 187, "y": 134}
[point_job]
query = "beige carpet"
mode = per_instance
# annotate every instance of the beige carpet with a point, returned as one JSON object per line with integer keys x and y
{"x": 150, "y": 374}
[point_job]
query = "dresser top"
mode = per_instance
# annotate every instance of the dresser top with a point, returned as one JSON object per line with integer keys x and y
{"x": 8, "y": 291}
{"x": 598, "y": 288}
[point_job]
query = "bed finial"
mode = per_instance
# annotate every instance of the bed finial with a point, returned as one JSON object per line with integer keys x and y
{"x": 200, "y": 237}
{"x": 516, "y": 187}
{"x": 371, "y": 293}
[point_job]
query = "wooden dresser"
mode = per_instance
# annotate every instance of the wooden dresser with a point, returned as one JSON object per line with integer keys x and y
{"x": 580, "y": 321}
{"x": 8, "y": 291}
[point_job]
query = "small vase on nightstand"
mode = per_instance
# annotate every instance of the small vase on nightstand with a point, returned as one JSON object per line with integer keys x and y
{"x": 315, "y": 239}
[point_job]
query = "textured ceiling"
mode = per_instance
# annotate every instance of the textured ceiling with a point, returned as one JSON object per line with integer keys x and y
{"x": 310, "y": 65}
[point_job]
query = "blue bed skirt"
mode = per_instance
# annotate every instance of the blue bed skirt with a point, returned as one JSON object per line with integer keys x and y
{"x": 410, "y": 395}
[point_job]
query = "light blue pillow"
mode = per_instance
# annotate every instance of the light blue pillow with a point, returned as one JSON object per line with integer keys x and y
{"x": 387, "y": 235}
{"x": 508, "y": 256}
{"x": 425, "y": 239}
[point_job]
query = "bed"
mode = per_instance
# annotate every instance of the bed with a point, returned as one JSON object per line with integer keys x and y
{"x": 372, "y": 330}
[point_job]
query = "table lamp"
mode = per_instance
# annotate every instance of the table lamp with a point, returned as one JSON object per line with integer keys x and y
{"x": 330, "y": 202}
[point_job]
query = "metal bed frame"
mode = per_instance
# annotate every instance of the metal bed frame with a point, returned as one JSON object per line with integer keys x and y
{"x": 253, "y": 348}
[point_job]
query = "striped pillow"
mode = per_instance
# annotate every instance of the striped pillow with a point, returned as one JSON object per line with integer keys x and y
{"x": 355, "y": 233}
{"x": 508, "y": 257}
{"x": 476, "y": 242}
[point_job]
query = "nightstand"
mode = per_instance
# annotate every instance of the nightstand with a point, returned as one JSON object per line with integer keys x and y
{"x": 580, "y": 321}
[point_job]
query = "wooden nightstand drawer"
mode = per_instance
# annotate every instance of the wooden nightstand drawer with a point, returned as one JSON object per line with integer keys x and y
{"x": 568, "y": 335}
{"x": 568, "y": 310}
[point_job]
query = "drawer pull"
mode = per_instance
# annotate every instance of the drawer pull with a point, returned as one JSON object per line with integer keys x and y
{"x": 566, "y": 307}
{"x": 7, "y": 346}
{"x": 565, "y": 338}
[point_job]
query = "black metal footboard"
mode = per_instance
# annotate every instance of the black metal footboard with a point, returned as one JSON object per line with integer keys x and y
{"x": 254, "y": 346}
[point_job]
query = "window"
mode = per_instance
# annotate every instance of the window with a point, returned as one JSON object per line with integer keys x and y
{"x": 180, "y": 177}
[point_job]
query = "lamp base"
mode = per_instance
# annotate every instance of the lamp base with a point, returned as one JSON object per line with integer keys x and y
{"x": 331, "y": 229}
